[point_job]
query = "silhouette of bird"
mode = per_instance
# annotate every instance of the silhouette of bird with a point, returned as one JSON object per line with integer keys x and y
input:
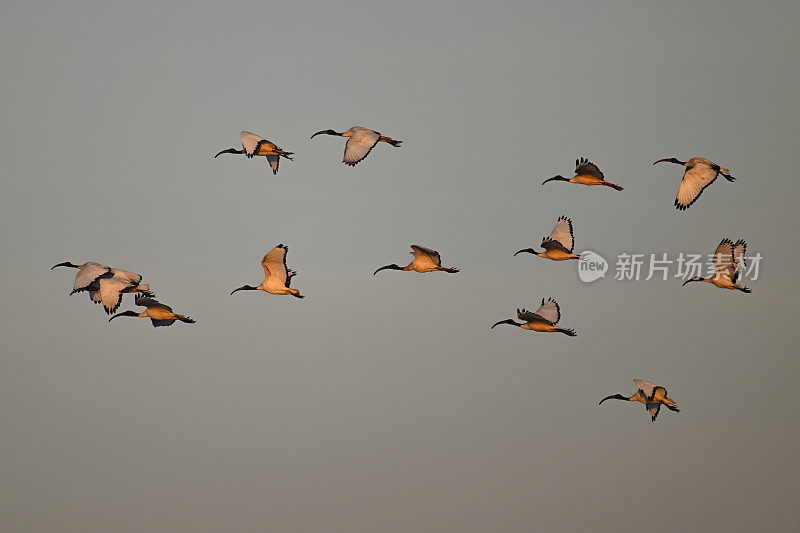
{"x": 728, "y": 261}
{"x": 586, "y": 173}
{"x": 699, "y": 174}
{"x": 425, "y": 260}
{"x": 652, "y": 396}
{"x": 544, "y": 319}
{"x": 277, "y": 277}
{"x": 158, "y": 313}
{"x": 360, "y": 143}
{"x": 254, "y": 145}
{"x": 558, "y": 246}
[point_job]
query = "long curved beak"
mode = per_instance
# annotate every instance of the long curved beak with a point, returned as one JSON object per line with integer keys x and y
{"x": 555, "y": 178}
{"x": 690, "y": 280}
{"x": 670, "y": 160}
{"x": 509, "y": 321}
{"x": 387, "y": 267}
{"x": 326, "y": 132}
{"x": 527, "y": 250}
{"x": 612, "y": 397}
{"x": 229, "y": 151}
{"x": 64, "y": 264}
{"x": 242, "y": 288}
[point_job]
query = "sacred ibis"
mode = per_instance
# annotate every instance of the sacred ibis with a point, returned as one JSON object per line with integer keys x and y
{"x": 558, "y": 246}
{"x": 652, "y": 396}
{"x": 728, "y": 261}
{"x": 544, "y": 319}
{"x": 158, "y": 313}
{"x": 586, "y": 173}
{"x": 254, "y": 145}
{"x": 277, "y": 277}
{"x": 360, "y": 143}
{"x": 699, "y": 174}
{"x": 425, "y": 260}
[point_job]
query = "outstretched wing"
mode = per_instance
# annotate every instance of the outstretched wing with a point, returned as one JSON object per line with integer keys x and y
{"x": 695, "y": 180}
{"x": 739, "y": 251}
{"x": 274, "y": 161}
{"x": 126, "y": 275}
{"x": 274, "y": 264}
{"x": 360, "y": 145}
{"x": 530, "y": 316}
{"x": 645, "y": 386}
{"x": 432, "y": 255}
{"x": 146, "y": 301}
{"x": 110, "y": 293}
{"x": 562, "y": 233}
{"x": 723, "y": 259}
{"x": 584, "y": 167}
{"x": 549, "y": 310}
{"x": 250, "y": 142}
{"x": 88, "y": 274}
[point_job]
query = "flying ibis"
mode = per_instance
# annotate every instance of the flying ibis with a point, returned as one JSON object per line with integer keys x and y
{"x": 586, "y": 173}
{"x": 254, "y": 145}
{"x": 360, "y": 143}
{"x": 544, "y": 319}
{"x": 558, "y": 246}
{"x": 652, "y": 396}
{"x": 728, "y": 261}
{"x": 277, "y": 277}
{"x": 699, "y": 174}
{"x": 425, "y": 260}
{"x": 158, "y": 313}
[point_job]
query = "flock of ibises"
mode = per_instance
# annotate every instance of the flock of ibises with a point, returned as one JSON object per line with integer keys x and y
{"x": 106, "y": 285}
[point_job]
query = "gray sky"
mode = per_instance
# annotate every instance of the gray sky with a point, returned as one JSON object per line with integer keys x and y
{"x": 386, "y": 403}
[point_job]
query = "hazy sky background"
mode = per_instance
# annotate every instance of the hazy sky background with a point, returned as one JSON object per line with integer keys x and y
{"x": 386, "y": 403}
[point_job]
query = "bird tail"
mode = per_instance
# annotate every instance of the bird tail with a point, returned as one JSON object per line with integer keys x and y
{"x": 673, "y": 407}
{"x": 296, "y": 293}
{"x": 286, "y": 155}
{"x": 746, "y": 290}
{"x": 187, "y": 319}
{"x": 450, "y": 270}
{"x": 613, "y": 186}
{"x": 570, "y": 332}
{"x": 391, "y": 141}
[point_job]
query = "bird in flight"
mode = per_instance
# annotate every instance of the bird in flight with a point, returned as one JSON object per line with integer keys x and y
{"x": 277, "y": 277}
{"x": 254, "y": 145}
{"x": 699, "y": 174}
{"x": 728, "y": 260}
{"x": 158, "y": 313}
{"x": 544, "y": 319}
{"x": 360, "y": 143}
{"x": 586, "y": 173}
{"x": 558, "y": 246}
{"x": 425, "y": 260}
{"x": 652, "y": 396}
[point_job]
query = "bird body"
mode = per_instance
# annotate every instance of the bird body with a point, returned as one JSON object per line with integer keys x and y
{"x": 545, "y": 319}
{"x": 158, "y": 313}
{"x": 360, "y": 143}
{"x": 558, "y": 246}
{"x": 254, "y": 145}
{"x": 699, "y": 174}
{"x": 586, "y": 173}
{"x": 728, "y": 260}
{"x": 277, "y": 277}
{"x": 425, "y": 260}
{"x": 651, "y": 395}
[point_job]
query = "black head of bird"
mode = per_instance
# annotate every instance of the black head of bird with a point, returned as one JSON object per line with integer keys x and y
{"x": 555, "y": 178}
{"x": 245, "y": 288}
{"x": 510, "y": 321}
{"x": 388, "y": 267}
{"x": 326, "y": 132}
{"x": 671, "y": 160}
{"x": 124, "y": 313}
